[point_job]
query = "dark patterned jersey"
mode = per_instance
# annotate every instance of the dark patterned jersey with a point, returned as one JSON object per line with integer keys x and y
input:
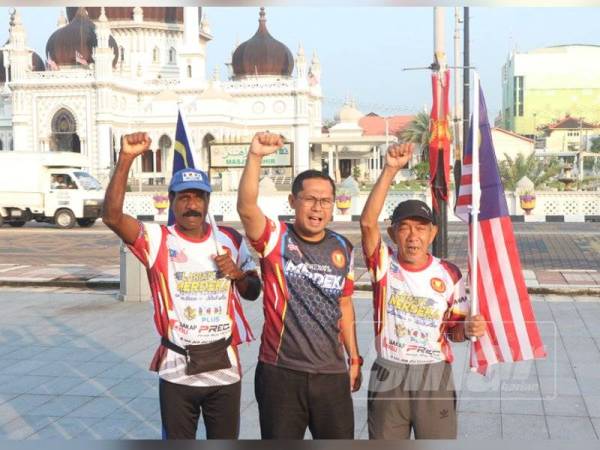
{"x": 302, "y": 284}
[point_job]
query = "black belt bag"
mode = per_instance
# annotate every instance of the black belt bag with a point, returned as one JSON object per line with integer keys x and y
{"x": 202, "y": 358}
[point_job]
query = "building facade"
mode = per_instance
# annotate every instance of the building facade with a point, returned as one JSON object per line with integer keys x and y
{"x": 110, "y": 71}
{"x": 544, "y": 85}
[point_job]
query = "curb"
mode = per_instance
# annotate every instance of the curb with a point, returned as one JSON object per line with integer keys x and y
{"x": 588, "y": 290}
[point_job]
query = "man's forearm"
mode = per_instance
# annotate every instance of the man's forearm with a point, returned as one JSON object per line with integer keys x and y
{"x": 115, "y": 192}
{"x": 348, "y": 328}
{"x": 248, "y": 189}
{"x": 376, "y": 199}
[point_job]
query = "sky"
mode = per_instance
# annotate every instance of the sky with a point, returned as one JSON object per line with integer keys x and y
{"x": 363, "y": 50}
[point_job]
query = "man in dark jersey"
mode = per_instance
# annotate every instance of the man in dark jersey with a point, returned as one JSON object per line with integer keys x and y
{"x": 302, "y": 379}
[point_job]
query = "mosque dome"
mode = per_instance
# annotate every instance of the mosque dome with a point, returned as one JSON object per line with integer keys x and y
{"x": 150, "y": 14}
{"x": 262, "y": 54}
{"x": 78, "y": 36}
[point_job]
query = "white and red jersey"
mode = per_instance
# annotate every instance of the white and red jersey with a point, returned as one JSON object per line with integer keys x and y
{"x": 193, "y": 305}
{"x": 413, "y": 309}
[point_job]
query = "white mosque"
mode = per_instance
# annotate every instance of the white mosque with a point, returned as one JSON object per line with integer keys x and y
{"x": 109, "y": 71}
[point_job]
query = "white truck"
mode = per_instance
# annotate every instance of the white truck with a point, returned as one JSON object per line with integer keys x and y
{"x": 48, "y": 187}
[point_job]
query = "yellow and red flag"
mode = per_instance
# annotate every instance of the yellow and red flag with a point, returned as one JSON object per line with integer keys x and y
{"x": 439, "y": 137}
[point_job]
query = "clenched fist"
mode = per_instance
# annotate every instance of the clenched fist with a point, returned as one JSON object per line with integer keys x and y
{"x": 265, "y": 143}
{"x": 398, "y": 155}
{"x": 135, "y": 144}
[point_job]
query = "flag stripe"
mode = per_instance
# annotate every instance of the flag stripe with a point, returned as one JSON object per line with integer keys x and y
{"x": 533, "y": 336}
{"x": 500, "y": 289}
{"x": 513, "y": 304}
{"x": 488, "y": 301}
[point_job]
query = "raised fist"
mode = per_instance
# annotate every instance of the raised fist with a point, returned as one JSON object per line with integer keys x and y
{"x": 398, "y": 155}
{"x": 265, "y": 143}
{"x": 135, "y": 143}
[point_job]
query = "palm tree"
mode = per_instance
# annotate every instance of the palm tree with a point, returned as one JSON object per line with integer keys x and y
{"x": 539, "y": 171}
{"x": 417, "y": 133}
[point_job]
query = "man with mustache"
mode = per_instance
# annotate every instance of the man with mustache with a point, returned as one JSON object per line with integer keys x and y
{"x": 419, "y": 302}
{"x": 196, "y": 293}
{"x": 302, "y": 379}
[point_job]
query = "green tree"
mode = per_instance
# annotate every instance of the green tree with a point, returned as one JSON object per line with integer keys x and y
{"x": 417, "y": 133}
{"x": 421, "y": 170}
{"x": 538, "y": 170}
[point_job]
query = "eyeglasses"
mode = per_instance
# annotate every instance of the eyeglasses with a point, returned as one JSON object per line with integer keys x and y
{"x": 324, "y": 202}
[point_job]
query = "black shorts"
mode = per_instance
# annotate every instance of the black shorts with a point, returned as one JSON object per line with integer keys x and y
{"x": 289, "y": 401}
{"x": 181, "y": 406}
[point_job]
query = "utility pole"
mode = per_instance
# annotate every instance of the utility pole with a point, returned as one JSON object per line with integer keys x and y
{"x": 440, "y": 244}
{"x": 466, "y": 87}
{"x": 457, "y": 115}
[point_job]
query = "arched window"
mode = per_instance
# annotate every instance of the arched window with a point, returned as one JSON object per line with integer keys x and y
{"x": 1, "y": 145}
{"x": 64, "y": 133}
{"x": 164, "y": 144}
{"x": 156, "y": 55}
{"x": 172, "y": 55}
{"x": 189, "y": 70}
{"x": 148, "y": 161}
{"x": 122, "y": 53}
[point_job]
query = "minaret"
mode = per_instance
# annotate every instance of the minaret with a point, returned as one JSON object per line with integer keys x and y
{"x": 100, "y": 156}
{"x": 315, "y": 69}
{"x": 19, "y": 56}
{"x": 62, "y": 20}
{"x": 191, "y": 58}
{"x": 301, "y": 63}
{"x": 103, "y": 54}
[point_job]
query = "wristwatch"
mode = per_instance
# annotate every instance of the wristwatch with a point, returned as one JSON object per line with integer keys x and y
{"x": 356, "y": 361}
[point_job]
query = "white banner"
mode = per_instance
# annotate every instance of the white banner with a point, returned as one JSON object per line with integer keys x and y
{"x": 234, "y": 155}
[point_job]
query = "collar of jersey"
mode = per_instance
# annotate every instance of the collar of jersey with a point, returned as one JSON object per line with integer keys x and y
{"x": 419, "y": 269}
{"x": 191, "y": 239}
{"x": 301, "y": 239}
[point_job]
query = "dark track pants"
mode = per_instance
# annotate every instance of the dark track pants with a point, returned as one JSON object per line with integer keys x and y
{"x": 181, "y": 406}
{"x": 289, "y": 401}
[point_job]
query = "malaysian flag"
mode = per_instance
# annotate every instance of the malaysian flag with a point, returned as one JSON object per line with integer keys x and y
{"x": 512, "y": 333}
{"x": 439, "y": 136}
{"x": 79, "y": 59}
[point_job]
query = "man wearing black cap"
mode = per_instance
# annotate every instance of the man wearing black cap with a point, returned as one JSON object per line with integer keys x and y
{"x": 419, "y": 303}
{"x": 196, "y": 292}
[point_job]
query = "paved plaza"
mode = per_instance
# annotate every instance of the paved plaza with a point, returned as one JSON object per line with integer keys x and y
{"x": 75, "y": 366}
{"x": 75, "y": 358}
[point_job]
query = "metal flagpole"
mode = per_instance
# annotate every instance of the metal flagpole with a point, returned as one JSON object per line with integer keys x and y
{"x": 475, "y": 199}
{"x": 211, "y": 219}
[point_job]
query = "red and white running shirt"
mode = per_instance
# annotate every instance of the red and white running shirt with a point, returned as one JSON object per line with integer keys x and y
{"x": 192, "y": 304}
{"x": 413, "y": 309}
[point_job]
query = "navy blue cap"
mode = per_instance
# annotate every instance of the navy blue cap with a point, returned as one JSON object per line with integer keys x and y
{"x": 189, "y": 179}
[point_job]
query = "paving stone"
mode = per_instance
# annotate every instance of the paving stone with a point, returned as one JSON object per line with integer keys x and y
{"x": 56, "y": 385}
{"x": 524, "y": 427}
{"x": 521, "y": 406}
{"x": 551, "y": 386}
{"x": 93, "y": 387}
{"x": 26, "y": 402}
{"x": 109, "y": 428}
{"x": 566, "y": 405}
{"x": 592, "y": 403}
{"x": 479, "y": 426}
{"x": 24, "y": 426}
{"x": 565, "y": 427}
{"x": 60, "y": 406}
{"x": 99, "y": 407}
{"x": 67, "y": 428}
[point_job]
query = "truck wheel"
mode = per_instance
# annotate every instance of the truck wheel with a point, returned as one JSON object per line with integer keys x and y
{"x": 16, "y": 224}
{"x": 64, "y": 218}
{"x": 85, "y": 223}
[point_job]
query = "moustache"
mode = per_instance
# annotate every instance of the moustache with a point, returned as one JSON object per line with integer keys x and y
{"x": 192, "y": 214}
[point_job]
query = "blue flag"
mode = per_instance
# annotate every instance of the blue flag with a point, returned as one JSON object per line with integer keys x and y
{"x": 183, "y": 156}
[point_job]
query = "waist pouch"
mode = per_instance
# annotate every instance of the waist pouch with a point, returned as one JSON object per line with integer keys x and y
{"x": 202, "y": 358}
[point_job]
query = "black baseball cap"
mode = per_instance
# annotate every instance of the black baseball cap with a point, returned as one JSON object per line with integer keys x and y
{"x": 412, "y": 208}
